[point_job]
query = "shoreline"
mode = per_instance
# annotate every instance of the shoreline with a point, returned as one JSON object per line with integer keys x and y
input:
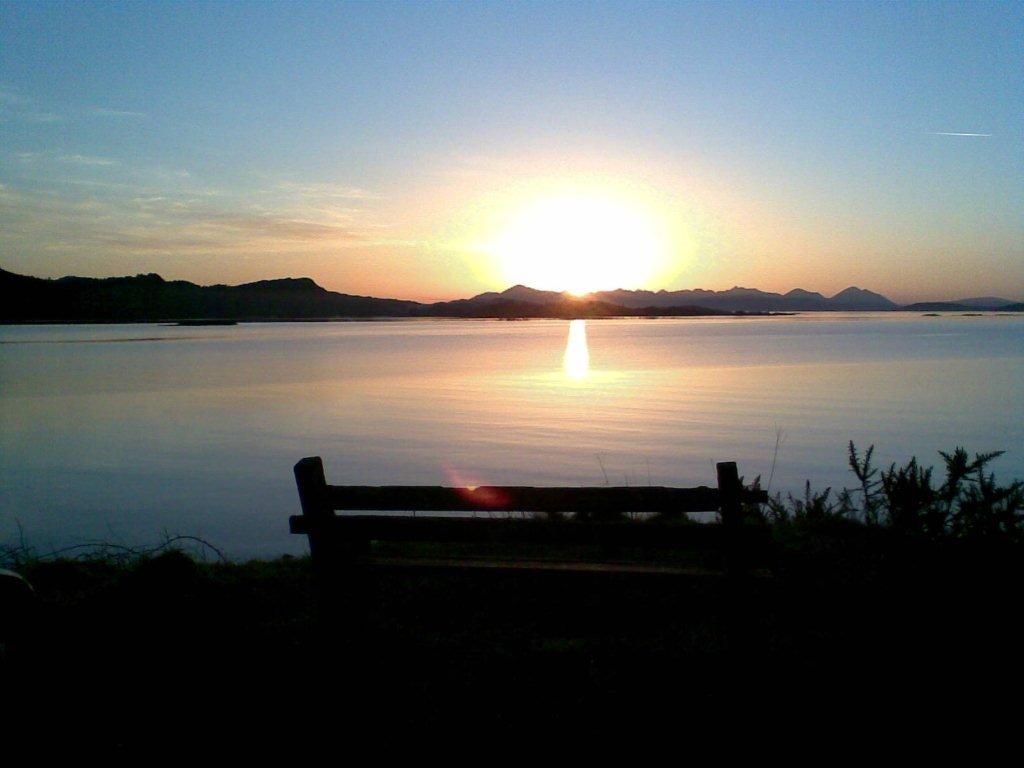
{"x": 213, "y": 322}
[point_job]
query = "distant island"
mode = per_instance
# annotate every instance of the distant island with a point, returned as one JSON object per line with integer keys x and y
{"x": 150, "y": 298}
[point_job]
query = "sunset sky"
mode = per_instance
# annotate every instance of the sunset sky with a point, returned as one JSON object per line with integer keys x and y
{"x": 436, "y": 150}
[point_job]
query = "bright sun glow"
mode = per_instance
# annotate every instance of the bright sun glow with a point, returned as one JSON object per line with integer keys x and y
{"x": 581, "y": 243}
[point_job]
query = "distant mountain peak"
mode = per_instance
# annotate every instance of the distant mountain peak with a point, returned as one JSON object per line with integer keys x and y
{"x": 862, "y": 298}
{"x": 853, "y": 290}
{"x": 739, "y": 290}
{"x": 285, "y": 284}
{"x": 525, "y": 293}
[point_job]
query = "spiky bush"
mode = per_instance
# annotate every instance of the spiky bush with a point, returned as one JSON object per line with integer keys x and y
{"x": 968, "y": 503}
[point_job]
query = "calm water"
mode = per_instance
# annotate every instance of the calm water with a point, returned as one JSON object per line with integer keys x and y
{"x": 124, "y": 432}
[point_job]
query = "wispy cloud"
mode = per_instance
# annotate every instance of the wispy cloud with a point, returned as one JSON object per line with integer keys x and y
{"x": 327, "y": 190}
{"x": 29, "y": 116}
{"x": 951, "y": 133}
{"x": 104, "y": 112}
{"x": 19, "y": 108}
{"x": 126, "y": 220}
{"x": 89, "y": 161}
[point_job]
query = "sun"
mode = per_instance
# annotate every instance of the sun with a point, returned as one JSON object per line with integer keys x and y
{"x": 580, "y": 243}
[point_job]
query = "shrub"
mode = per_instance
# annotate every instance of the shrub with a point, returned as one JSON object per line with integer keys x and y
{"x": 969, "y": 503}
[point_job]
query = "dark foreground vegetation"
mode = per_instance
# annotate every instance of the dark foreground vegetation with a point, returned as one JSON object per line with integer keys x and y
{"x": 893, "y": 604}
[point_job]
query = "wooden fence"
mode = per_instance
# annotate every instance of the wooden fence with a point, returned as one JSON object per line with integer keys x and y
{"x": 597, "y": 519}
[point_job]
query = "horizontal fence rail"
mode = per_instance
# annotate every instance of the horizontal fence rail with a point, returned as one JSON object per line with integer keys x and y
{"x": 520, "y": 531}
{"x": 520, "y": 499}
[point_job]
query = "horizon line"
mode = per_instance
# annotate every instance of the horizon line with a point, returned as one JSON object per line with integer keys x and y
{"x": 521, "y": 285}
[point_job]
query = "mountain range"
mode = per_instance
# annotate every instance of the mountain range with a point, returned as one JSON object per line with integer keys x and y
{"x": 735, "y": 299}
{"x": 151, "y": 298}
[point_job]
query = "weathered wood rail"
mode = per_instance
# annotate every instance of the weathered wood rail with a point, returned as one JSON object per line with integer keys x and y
{"x": 344, "y": 540}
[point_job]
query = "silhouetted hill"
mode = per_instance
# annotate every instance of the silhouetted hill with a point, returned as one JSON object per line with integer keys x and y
{"x": 523, "y": 301}
{"x": 860, "y": 298}
{"x": 969, "y": 305}
{"x": 985, "y": 302}
{"x": 799, "y": 294}
{"x": 938, "y": 306}
{"x": 521, "y": 293}
{"x": 739, "y": 299}
{"x": 563, "y": 306}
{"x": 151, "y": 298}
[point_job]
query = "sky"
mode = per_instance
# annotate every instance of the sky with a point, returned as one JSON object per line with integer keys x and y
{"x": 435, "y": 150}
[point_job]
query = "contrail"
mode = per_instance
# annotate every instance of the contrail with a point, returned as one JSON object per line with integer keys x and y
{"x": 945, "y": 133}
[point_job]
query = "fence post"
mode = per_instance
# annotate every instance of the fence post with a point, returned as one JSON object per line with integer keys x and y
{"x": 312, "y": 484}
{"x": 730, "y": 502}
{"x": 330, "y": 556}
{"x": 730, "y": 493}
{"x": 309, "y": 476}
{"x": 342, "y": 592}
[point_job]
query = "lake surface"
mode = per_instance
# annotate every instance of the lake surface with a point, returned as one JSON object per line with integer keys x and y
{"x": 124, "y": 433}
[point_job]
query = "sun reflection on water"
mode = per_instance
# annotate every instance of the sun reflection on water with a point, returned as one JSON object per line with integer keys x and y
{"x": 576, "y": 361}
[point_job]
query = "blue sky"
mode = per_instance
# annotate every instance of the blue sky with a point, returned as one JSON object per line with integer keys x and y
{"x": 372, "y": 145}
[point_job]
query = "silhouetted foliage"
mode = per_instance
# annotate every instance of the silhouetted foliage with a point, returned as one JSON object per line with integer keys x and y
{"x": 901, "y": 589}
{"x": 969, "y": 503}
